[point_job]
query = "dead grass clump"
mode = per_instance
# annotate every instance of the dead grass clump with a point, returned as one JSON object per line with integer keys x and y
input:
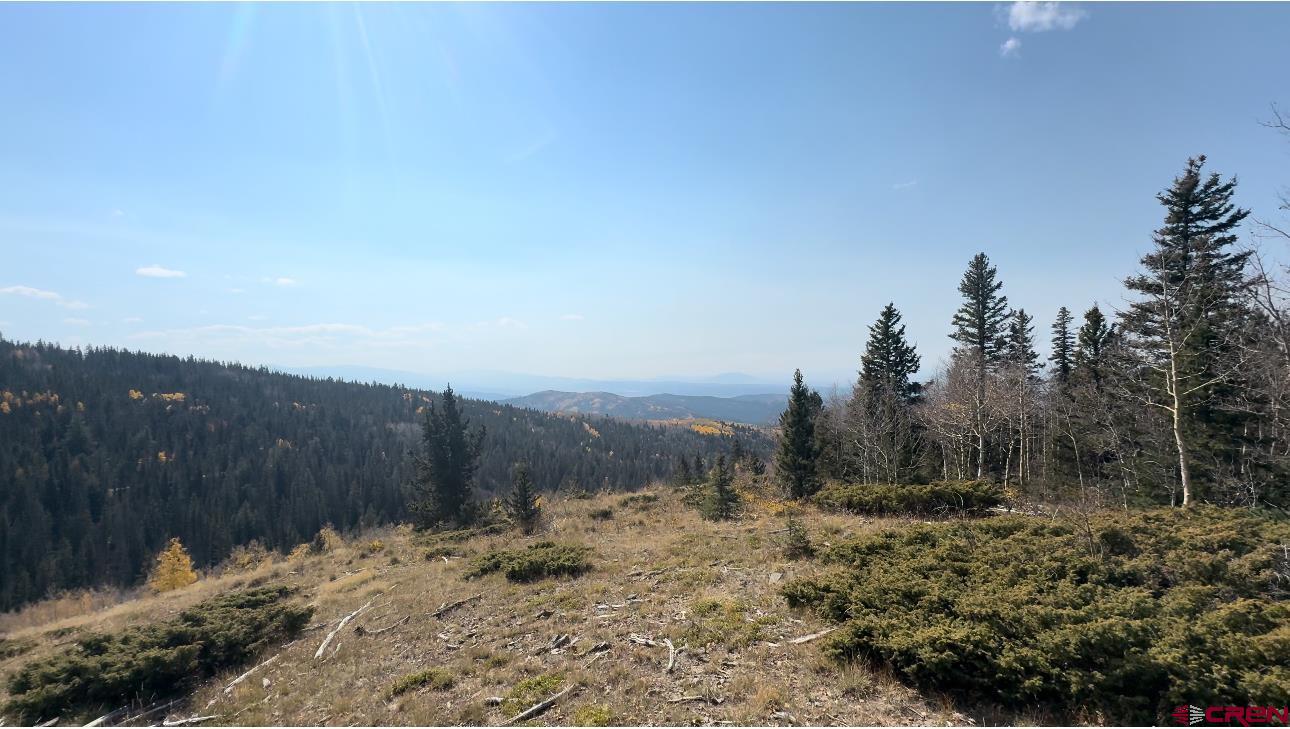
{"x": 437, "y": 679}
{"x": 246, "y": 557}
{"x": 10, "y": 647}
{"x": 327, "y": 540}
{"x": 638, "y": 501}
{"x": 541, "y": 560}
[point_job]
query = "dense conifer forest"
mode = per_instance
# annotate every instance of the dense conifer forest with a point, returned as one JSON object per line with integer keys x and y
{"x": 107, "y": 454}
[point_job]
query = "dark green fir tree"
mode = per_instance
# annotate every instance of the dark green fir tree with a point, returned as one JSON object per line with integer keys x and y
{"x": 796, "y": 460}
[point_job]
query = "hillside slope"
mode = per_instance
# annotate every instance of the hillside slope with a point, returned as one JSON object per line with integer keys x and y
{"x": 761, "y": 409}
{"x": 106, "y": 454}
{"x": 710, "y": 588}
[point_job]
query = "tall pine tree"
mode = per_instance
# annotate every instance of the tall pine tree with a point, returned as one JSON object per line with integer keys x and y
{"x": 796, "y": 459}
{"x": 522, "y": 503}
{"x": 1020, "y": 352}
{"x": 979, "y": 322}
{"x": 889, "y": 360}
{"x": 1191, "y": 313}
{"x": 444, "y": 484}
{"x": 1093, "y": 337}
{"x": 1063, "y": 342}
{"x": 978, "y": 328}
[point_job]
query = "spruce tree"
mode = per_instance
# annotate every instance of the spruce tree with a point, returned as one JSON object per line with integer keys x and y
{"x": 445, "y": 470}
{"x": 1188, "y": 322}
{"x": 1063, "y": 346}
{"x": 1093, "y": 337}
{"x": 722, "y": 500}
{"x": 522, "y": 504}
{"x": 1020, "y": 350}
{"x": 683, "y": 476}
{"x": 889, "y": 360}
{"x": 979, "y": 322}
{"x": 978, "y": 328}
{"x": 796, "y": 459}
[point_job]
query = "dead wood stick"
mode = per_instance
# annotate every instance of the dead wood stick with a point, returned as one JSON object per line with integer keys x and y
{"x": 696, "y": 697}
{"x": 671, "y": 656}
{"x": 364, "y": 631}
{"x": 229, "y": 688}
{"x": 51, "y": 722}
{"x": 812, "y": 636}
{"x": 449, "y": 607}
{"x": 108, "y": 716}
{"x": 537, "y": 708}
{"x": 189, "y": 720}
{"x": 343, "y": 622}
{"x": 643, "y": 640}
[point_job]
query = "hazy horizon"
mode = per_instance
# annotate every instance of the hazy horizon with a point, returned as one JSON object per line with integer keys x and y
{"x": 599, "y": 192}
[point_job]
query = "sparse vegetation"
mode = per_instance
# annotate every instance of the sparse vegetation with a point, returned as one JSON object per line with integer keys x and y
{"x": 945, "y": 498}
{"x": 797, "y": 543}
{"x": 1125, "y": 614}
{"x": 111, "y": 669}
{"x": 530, "y": 691}
{"x": 593, "y": 715}
{"x": 722, "y": 621}
{"x": 538, "y": 561}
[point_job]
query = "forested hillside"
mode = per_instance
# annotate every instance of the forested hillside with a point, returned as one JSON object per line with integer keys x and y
{"x": 105, "y": 454}
{"x": 752, "y": 409}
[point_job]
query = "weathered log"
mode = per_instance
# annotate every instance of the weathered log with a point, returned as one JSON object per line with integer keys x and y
{"x": 343, "y": 622}
{"x": 537, "y": 708}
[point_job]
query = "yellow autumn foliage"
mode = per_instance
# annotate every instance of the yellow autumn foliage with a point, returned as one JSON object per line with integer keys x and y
{"x": 174, "y": 568}
{"x": 136, "y": 395}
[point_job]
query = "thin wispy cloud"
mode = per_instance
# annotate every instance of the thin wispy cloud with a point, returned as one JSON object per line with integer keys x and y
{"x": 158, "y": 271}
{"x": 904, "y": 185}
{"x": 1038, "y": 17}
{"x": 76, "y": 322}
{"x": 132, "y": 320}
{"x": 284, "y": 281}
{"x": 1010, "y": 48}
{"x": 257, "y": 317}
{"x": 41, "y": 295}
{"x": 573, "y": 317}
{"x": 327, "y": 334}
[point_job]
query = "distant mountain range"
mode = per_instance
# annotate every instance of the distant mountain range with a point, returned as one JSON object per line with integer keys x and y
{"x": 495, "y": 385}
{"x": 754, "y": 409}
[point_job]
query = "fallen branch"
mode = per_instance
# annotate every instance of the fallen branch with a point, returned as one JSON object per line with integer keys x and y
{"x": 696, "y": 697}
{"x": 110, "y": 716}
{"x": 812, "y": 636}
{"x": 51, "y": 722}
{"x": 449, "y": 607}
{"x": 229, "y": 688}
{"x": 671, "y": 656}
{"x": 343, "y": 621}
{"x": 189, "y": 720}
{"x": 537, "y": 708}
{"x": 360, "y": 630}
{"x": 643, "y": 640}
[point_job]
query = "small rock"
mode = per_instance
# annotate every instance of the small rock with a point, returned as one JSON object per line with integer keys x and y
{"x": 266, "y": 683}
{"x": 776, "y": 577}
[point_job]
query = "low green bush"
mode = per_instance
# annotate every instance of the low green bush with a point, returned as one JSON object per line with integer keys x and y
{"x": 1128, "y": 615}
{"x": 544, "y": 559}
{"x": 935, "y": 499}
{"x": 437, "y": 679}
{"x": 602, "y": 514}
{"x": 638, "y": 501}
{"x": 106, "y": 670}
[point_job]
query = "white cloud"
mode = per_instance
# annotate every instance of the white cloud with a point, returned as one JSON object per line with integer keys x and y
{"x": 132, "y": 320}
{"x": 573, "y": 317}
{"x": 904, "y": 185}
{"x": 1011, "y": 48}
{"x": 280, "y": 281}
{"x": 42, "y": 295}
{"x": 1036, "y": 17}
{"x": 158, "y": 271}
{"x": 507, "y": 322}
{"x": 77, "y": 322}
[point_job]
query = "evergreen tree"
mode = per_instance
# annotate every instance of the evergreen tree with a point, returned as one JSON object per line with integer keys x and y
{"x": 978, "y": 328}
{"x": 698, "y": 470}
{"x": 889, "y": 360}
{"x": 522, "y": 503}
{"x": 979, "y": 322}
{"x": 1063, "y": 346}
{"x": 1188, "y": 323}
{"x": 173, "y": 570}
{"x": 722, "y": 500}
{"x": 1020, "y": 352}
{"x": 683, "y": 475}
{"x": 796, "y": 459}
{"x": 446, "y": 468}
{"x": 1093, "y": 337}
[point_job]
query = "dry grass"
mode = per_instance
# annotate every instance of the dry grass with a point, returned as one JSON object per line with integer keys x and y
{"x": 659, "y": 571}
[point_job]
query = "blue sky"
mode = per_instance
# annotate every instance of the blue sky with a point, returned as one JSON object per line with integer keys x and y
{"x": 598, "y": 190}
